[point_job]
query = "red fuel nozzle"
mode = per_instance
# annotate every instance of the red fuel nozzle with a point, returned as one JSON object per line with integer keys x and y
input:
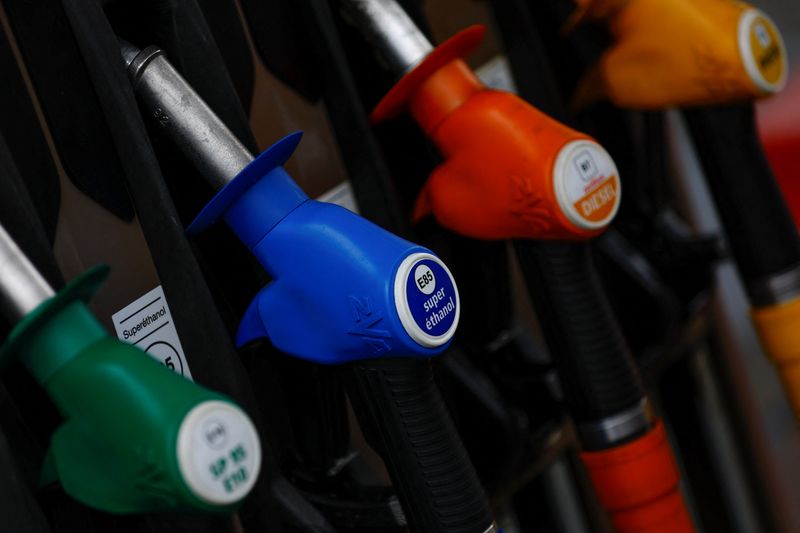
{"x": 510, "y": 171}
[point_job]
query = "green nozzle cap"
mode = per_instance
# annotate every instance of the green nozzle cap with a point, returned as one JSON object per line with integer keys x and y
{"x": 136, "y": 437}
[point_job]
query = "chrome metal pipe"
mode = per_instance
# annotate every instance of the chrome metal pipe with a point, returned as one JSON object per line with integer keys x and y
{"x": 614, "y": 430}
{"x": 398, "y": 43}
{"x": 775, "y": 290}
{"x": 168, "y": 99}
{"x": 22, "y": 287}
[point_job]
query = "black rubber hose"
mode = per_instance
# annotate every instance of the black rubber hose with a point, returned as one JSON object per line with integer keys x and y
{"x": 597, "y": 372}
{"x": 759, "y": 227}
{"x": 406, "y": 421}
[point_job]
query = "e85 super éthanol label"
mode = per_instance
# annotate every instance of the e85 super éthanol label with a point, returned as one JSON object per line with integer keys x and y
{"x": 427, "y": 299}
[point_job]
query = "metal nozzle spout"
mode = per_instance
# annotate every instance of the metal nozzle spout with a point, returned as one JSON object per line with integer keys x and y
{"x": 612, "y": 431}
{"x": 22, "y": 287}
{"x": 386, "y": 26}
{"x": 168, "y": 99}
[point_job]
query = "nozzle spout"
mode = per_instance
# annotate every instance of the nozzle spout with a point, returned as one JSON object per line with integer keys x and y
{"x": 129, "y": 52}
{"x": 168, "y": 100}
{"x": 388, "y": 28}
{"x": 22, "y": 287}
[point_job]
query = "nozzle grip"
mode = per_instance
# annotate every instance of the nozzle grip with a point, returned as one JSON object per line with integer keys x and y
{"x": 596, "y": 369}
{"x": 406, "y": 422}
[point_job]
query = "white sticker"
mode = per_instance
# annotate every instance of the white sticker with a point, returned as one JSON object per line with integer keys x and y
{"x": 587, "y": 185}
{"x": 219, "y": 453}
{"x": 426, "y": 298}
{"x": 496, "y": 74}
{"x": 762, "y": 51}
{"x": 147, "y": 324}
{"x": 341, "y": 195}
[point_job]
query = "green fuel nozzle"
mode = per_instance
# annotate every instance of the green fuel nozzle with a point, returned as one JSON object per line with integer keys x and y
{"x": 135, "y": 437}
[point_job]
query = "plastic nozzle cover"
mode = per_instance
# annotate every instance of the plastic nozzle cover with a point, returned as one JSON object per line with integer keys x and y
{"x": 347, "y": 290}
{"x": 510, "y": 171}
{"x": 136, "y": 438}
{"x": 683, "y": 53}
{"x": 343, "y": 288}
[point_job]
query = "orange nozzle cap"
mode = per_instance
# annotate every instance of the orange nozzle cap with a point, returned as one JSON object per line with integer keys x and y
{"x": 637, "y": 484}
{"x": 683, "y": 53}
{"x": 399, "y": 97}
{"x": 510, "y": 171}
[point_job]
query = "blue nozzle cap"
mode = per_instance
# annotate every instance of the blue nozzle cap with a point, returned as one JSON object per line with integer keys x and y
{"x": 251, "y": 216}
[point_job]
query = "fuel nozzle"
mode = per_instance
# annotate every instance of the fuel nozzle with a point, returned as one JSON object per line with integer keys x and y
{"x": 715, "y": 58}
{"x": 281, "y": 226}
{"x": 510, "y": 171}
{"x": 343, "y": 291}
{"x": 135, "y": 437}
{"x": 668, "y": 53}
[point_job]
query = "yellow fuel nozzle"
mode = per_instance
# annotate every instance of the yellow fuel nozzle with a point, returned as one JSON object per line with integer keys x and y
{"x": 682, "y": 53}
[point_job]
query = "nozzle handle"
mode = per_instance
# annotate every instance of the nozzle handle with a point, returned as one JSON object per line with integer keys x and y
{"x": 405, "y": 419}
{"x": 600, "y": 379}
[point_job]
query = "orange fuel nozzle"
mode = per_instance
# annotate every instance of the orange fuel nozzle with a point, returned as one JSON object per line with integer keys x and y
{"x": 510, "y": 171}
{"x": 682, "y": 53}
{"x": 637, "y": 484}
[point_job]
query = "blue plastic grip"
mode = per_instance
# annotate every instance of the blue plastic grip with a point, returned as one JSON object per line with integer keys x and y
{"x": 343, "y": 288}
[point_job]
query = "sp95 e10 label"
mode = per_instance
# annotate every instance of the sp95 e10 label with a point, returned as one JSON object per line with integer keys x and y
{"x": 219, "y": 453}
